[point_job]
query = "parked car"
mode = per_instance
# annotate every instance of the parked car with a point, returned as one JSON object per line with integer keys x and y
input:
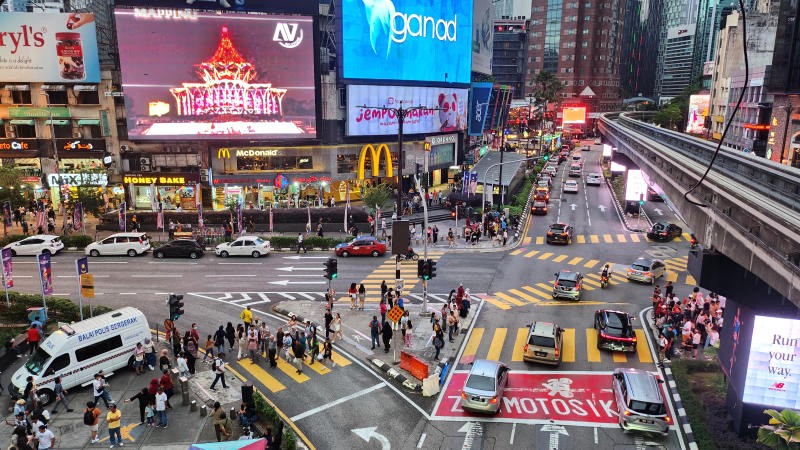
{"x": 483, "y": 390}
{"x": 559, "y": 233}
{"x": 179, "y": 248}
{"x": 36, "y": 245}
{"x": 362, "y": 246}
{"x": 664, "y": 232}
{"x": 614, "y": 330}
{"x": 544, "y": 343}
{"x": 639, "y": 399}
{"x": 567, "y": 285}
{"x": 539, "y": 208}
{"x": 571, "y": 186}
{"x": 594, "y": 179}
{"x": 131, "y": 244}
{"x": 646, "y": 270}
{"x": 244, "y": 246}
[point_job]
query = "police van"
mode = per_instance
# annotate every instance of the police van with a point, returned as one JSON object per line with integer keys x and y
{"x": 77, "y": 351}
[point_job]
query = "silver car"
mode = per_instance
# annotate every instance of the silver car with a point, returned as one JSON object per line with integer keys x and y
{"x": 646, "y": 270}
{"x": 640, "y": 405}
{"x": 484, "y": 388}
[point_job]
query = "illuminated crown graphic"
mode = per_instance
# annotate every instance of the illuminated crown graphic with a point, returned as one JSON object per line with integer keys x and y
{"x": 227, "y": 63}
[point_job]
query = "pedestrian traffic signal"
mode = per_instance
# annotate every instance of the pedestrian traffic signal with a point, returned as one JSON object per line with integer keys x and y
{"x": 431, "y": 268}
{"x": 420, "y": 268}
{"x": 546, "y": 157}
{"x": 331, "y": 268}
{"x": 426, "y": 269}
{"x": 175, "y": 306}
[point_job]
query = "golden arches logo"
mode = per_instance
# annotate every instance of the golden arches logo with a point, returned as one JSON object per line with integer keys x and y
{"x": 223, "y": 153}
{"x": 382, "y": 150}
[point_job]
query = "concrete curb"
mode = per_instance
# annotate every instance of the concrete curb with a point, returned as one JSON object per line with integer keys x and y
{"x": 395, "y": 375}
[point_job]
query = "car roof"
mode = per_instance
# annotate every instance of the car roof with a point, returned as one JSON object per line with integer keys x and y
{"x": 559, "y": 225}
{"x": 624, "y": 317}
{"x": 645, "y": 261}
{"x": 485, "y": 367}
{"x": 543, "y": 329}
{"x": 129, "y": 234}
{"x": 641, "y": 385}
{"x": 248, "y": 237}
{"x": 570, "y": 182}
{"x": 41, "y": 236}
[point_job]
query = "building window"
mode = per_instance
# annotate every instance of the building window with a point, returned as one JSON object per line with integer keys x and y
{"x": 19, "y": 97}
{"x": 91, "y": 131}
{"x": 584, "y": 44}
{"x": 585, "y": 31}
{"x": 63, "y": 131}
{"x": 24, "y": 131}
{"x": 56, "y": 95}
{"x": 86, "y": 95}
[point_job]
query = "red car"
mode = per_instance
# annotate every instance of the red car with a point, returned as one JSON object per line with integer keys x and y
{"x": 365, "y": 245}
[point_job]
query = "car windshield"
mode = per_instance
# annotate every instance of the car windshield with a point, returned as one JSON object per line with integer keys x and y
{"x": 648, "y": 408}
{"x": 542, "y": 341}
{"x": 615, "y": 326}
{"x": 557, "y": 228}
{"x": 640, "y": 267}
{"x": 480, "y": 383}
{"x": 37, "y": 361}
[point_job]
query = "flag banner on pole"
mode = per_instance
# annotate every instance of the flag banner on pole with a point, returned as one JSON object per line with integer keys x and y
{"x": 198, "y": 195}
{"x": 377, "y": 218}
{"x": 82, "y": 266}
{"x": 465, "y": 183}
{"x": 122, "y": 213}
{"x": 40, "y": 218}
{"x": 8, "y": 279}
{"x": 153, "y": 201}
{"x": 270, "y": 218}
{"x": 7, "y": 219}
{"x": 239, "y": 215}
{"x": 160, "y": 216}
{"x": 45, "y": 274}
{"x": 346, "y": 204}
{"x": 77, "y": 216}
{"x": 200, "y": 222}
{"x": 309, "y": 216}
{"x": 474, "y": 183}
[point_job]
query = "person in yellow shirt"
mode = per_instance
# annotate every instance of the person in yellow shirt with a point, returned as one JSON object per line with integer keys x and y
{"x": 113, "y": 419}
{"x": 247, "y": 318}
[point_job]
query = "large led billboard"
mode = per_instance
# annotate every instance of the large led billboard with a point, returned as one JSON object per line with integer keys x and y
{"x": 217, "y": 75}
{"x": 635, "y": 185}
{"x": 482, "y": 37}
{"x": 574, "y": 114}
{"x": 448, "y": 109}
{"x": 406, "y": 40}
{"x": 773, "y": 368}
{"x": 698, "y": 111}
{"x": 49, "y": 48}
{"x": 479, "y": 107}
{"x": 309, "y": 7}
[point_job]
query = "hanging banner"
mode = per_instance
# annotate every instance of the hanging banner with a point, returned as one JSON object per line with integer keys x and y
{"x": 8, "y": 278}
{"x": 478, "y": 106}
{"x": 160, "y": 217}
{"x": 45, "y": 274}
{"x": 77, "y": 216}
{"x": 200, "y": 222}
{"x": 82, "y": 265}
{"x": 122, "y": 213}
{"x": 7, "y": 219}
{"x": 270, "y": 218}
{"x": 239, "y": 216}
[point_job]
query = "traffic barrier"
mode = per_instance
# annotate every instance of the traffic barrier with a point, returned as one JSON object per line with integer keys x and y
{"x": 414, "y": 365}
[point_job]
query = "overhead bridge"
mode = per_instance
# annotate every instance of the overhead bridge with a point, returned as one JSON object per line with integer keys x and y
{"x": 752, "y": 212}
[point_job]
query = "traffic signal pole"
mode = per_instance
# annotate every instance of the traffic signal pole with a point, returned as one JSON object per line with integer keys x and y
{"x": 424, "y": 312}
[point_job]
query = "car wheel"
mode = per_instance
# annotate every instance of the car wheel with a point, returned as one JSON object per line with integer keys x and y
{"x": 193, "y": 255}
{"x": 159, "y": 255}
{"x": 223, "y": 254}
{"x": 375, "y": 253}
{"x": 94, "y": 253}
{"x": 45, "y": 396}
{"x": 131, "y": 252}
{"x": 345, "y": 254}
{"x": 256, "y": 254}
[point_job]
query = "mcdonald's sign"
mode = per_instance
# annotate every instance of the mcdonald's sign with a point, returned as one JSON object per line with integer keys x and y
{"x": 223, "y": 153}
{"x": 382, "y": 150}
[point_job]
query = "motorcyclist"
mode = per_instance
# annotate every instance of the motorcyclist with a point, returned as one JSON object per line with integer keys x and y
{"x": 410, "y": 252}
{"x": 604, "y": 275}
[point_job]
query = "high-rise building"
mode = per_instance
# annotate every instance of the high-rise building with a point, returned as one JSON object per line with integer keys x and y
{"x": 579, "y": 42}
{"x": 508, "y": 54}
{"x": 639, "y": 49}
{"x": 512, "y": 9}
{"x": 783, "y": 143}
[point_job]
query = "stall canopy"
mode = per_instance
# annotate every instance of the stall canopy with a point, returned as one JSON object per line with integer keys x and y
{"x": 512, "y": 162}
{"x": 250, "y": 444}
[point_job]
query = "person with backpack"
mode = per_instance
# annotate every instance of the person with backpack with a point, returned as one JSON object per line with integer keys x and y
{"x": 91, "y": 418}
{"x": 218, "y": 367}
{"x": 375, "y": 330}
{"x": 438, "y": 342}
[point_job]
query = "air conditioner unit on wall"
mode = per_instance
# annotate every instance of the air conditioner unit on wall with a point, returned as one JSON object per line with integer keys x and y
{"x": 144, "y": 160}
{"x": 124, "y": 148}
{"x": 145, "y": 167}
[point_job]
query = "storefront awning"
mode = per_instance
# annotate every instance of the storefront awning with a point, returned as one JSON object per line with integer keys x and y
{"x": 56, "y": 122}
{"x": 53, "y": 87}
{"x": 84, "y": 87}
{"x": 82, "y": 122}
{"x": 22, "y": 122}
{"x": 18, "y": 87}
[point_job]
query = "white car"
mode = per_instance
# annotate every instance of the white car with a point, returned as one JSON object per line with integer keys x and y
{"x": 244, "y": 246}
{"x": 594, "y": 179}
{"x": 131, "y": 244}
{"x": 571, "y": 186}
{"x": 36, "y": 245}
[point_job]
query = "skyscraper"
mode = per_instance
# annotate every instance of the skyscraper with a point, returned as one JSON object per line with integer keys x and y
{"x": 508, "y": 54}
{"x": 639, "y": 49}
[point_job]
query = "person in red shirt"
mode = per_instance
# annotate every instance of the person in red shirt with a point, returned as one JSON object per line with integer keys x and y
{"x": 34, "y": 336}
{"x": 166, "y": 383}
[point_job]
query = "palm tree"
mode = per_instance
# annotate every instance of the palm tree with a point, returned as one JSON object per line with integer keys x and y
{"x": 783, "y": 430}
{"x": 546, "y": 88}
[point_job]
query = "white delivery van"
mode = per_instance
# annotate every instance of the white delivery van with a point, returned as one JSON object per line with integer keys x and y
{"x": 79, "y": 350}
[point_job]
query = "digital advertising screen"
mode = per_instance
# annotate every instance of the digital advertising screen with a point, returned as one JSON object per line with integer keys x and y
{"x": 479, "y": 107}
{"x": 635, "y": 185}
{"x": 309, "y": 7}
{"x": 406, "y": 40}
{"x": 698, "y": 111}
{"x": 448, "y": 109}
{"x": 217, "y": 75}
{"x": 49, "y": 48}
{"x": 574, "y": 115}
{"x": 773, "y": 367}
{"x": 482, "y": 37}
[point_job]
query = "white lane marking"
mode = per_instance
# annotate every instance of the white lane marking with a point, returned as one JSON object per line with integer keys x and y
{"x": 109, "y": 262}
{"x": 338, "y": 401}
{"x": 229, "y": 276}
{"x": 127, "y": 293}
{"x": 421, "y": 440}
{"x": 513, "y": 432}
{"x": 65, "y": 276}
{"x": 238, "y": 264}
{"x": 159, "y": 275}
{"x": 255, "y": 303}
{"x": 595, "y": 436}
{"x": 285, "y": 295}
{"x": 173, "y": 263}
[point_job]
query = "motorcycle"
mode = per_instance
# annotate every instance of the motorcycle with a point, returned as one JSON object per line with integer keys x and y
{"x": 603, "y": 281}
{"x": 693, "y": 242}
{"x": 409, "y": 257}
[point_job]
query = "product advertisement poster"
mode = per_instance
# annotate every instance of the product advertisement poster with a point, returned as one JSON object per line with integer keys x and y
{"x": 448, "y": 109}
{"x": 8, "y": 277}
{"x": 230, "y": 75}
{"x": 478, "y": 106}
{"x": 45, "y": 274}
{"x": 49, "y": 48}
{"x": 407, "y": 40}
{"x": 773, "y": 367}
{"x": 482, "y": 37}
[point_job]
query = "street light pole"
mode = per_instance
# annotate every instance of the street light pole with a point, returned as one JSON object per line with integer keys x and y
{"x": 486, "y": 174}
{"x": 55, "y": 156}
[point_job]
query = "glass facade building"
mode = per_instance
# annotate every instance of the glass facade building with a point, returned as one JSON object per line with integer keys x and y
{"x": 508, "y": 54}
{"x": 639, "y": 51}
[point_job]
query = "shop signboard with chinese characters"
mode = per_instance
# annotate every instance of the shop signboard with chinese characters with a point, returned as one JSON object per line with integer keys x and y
{"x": 77, "y": 179}
{"x": 66, "y": 146}
{"x": 163, "y": 179}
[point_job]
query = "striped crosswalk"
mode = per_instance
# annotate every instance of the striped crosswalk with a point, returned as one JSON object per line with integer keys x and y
{"x": 615, "y": 238}
{"x": 506, "y": 344}
{"x": 285, "y": 374}
{"x": 542, "y": 293}
{"x": 386, "y": 272}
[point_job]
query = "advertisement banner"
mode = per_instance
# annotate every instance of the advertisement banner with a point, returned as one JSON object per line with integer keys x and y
{"x": 407, "y": 40}
{"x": 164, "y": 8}
{"x": 478, "y": 106}
{"x": 372, "y": 121}
{"x": 49, "y": 48}
{"x": 122, "y": 218}
{"x": 77, "y": 216}
{"x": 773, "y": 365}
{"x": 8, "y": 277}
{"x": 82, "y": 265}
{"x": 698, "y": 111}
{"x": 574, "y": 114}
{"x": 230, "y": 75}
{"x": 482, "y": 36}
{"x": 45, "y": 274}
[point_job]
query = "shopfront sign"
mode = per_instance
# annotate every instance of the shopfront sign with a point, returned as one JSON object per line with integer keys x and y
{"x": 77, "y": 179}
{"x": 24, "y": 112}
{"x": 445, "y": 139}
{"x": 18, "y": 145}
{"x": 375, "y": 153}
{"x": 226, "y": 153}
{"x": 167, "y": 179}
{"x": 81, "y": 145}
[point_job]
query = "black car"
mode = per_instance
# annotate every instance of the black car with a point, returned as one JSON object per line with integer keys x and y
{"x": 179, "y": 248}
{"x": 653, "y": 195}
{"x": 664, "y": 232}
{"x": 614, "y": 330}
{"x": 539, "y": 208}
{"x": 559, "y": 233}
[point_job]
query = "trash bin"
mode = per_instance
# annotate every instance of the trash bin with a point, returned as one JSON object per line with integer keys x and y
{"x": 37, "y": 314}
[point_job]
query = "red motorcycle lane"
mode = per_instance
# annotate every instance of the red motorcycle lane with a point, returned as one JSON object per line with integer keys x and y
{"x": 544, "y": 396}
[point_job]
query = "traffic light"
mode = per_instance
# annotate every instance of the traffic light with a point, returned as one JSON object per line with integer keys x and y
{"x": 175, "y": 306}
{"x": 546, "y": 157}
{"x": 431, "y": 268}
{"x": 420, "y": 268}
{"x": 331, "y": 268}
{"x": 426, "y": 269}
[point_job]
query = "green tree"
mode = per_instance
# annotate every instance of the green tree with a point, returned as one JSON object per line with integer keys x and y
{"x": 90, "y": 197}
{"x": 546, "y": 88}
{"x": 783, "y": 430}
{"x": 376, "y": 195}
{"x": 10, "y": 182}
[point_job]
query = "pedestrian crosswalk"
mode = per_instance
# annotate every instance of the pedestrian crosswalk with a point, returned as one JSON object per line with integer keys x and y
{"x": 506, "y": 344}
{"x": 386, "y": 272}
{"x": 607, "y": 238}
{"x": 542, "y": 293}
{"x": 259, "y": 299}
{"x": 276, "y": 379}
{"x": 676, "y": 267}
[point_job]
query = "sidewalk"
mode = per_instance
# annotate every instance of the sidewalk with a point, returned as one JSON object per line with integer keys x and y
{"x": 357, "y": 339}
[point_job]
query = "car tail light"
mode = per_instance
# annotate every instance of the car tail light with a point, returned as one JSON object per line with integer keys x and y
{"x": 564, "y": 234}
{"x": 493, "y": 400}
{"x": 544, "y": 209}
{"x": 556, "y": 352}
{"x": 463, "y": 394}
{"x": 525, "y": 349}
{"x": 668, "y": 419}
